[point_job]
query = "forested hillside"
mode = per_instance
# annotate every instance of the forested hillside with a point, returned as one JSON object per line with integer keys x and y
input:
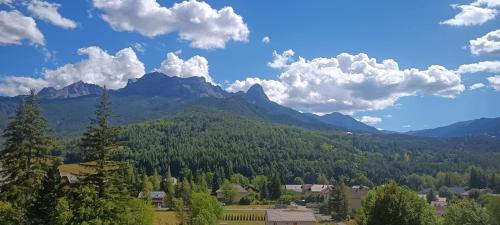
{"x": 204, "y": 139}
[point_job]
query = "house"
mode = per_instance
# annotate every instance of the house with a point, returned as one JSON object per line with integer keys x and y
{"x": 295, "y": 188}
{"x": 68, "y": 178}
{"x": 460, "y": 191}
{"x": 289, "y": 217}
{"x": 241, "y": 191}
{"x": 440, "y": 205}
{"x": 157, "y": 198}
{"x": 355, "y": 194}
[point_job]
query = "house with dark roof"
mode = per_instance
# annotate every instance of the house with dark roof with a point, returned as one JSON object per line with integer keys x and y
{"x": 157, "y": 198}
{"x": 289, "y": 217}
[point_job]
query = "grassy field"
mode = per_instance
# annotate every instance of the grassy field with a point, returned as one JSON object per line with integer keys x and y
{"x": 165, "y": 218}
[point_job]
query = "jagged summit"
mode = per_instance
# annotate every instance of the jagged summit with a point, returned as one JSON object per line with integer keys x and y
{"x": 74, "y": 90}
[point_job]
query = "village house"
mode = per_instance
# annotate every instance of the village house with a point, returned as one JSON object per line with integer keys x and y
{"x": 289, "y": 217}
{"x": 294, "y": 187}
{"x": 440, "y": 205}
{"x": 355, "y": 194}
{"x": 68, "y": 178}
{"x": 157, "y": 198}
{"x": 241, "y": 193}
{"x": 321, "y": 189}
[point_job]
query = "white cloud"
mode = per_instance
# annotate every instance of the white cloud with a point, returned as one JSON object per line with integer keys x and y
{"x": 476, "y": 86}
{"x": 6, "y": 2}
{"x": 485, "y": 66}
{"x": 196, "y": 22}
{"x": 350, "y": 83}
{"x": 101, "y": 68}
{"x": 15, "y": 27}
{"x": 48, "y": 12}
{"x": 12, "y": 86}
{"x": 406, "y": 126}
{"x": 281, "y": 60}
{"x": 139, "y": 47}
{"x": 275, "y": 90}
{"x": 194, "y": 66}
{"x": 370, "y": 120}
{"x": 495, "y": 82}
{"x": 487, "y": 3}
{"x": 487, "y": 44}
{"x": 471, "y": 15}
{"x": 388, "y": 116}
{"x": 266, "y": 40}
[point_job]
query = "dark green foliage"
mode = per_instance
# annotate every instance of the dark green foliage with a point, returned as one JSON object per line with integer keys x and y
{"x": 431, "y": 196}
{"x": 99, "y": 146}
{"x": 43, "y": 208}
{"x": 274, "y": 187}
{"x": 25, "y": 156}
{"x": 338, "y": 203}
{"x": 210, "y": 140}
{"x": 395, "y": 205}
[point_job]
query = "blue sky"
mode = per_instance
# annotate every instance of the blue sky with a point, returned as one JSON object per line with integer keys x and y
{"x": 411, "y": 33}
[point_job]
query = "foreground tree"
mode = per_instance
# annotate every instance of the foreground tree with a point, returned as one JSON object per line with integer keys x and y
{"x": 394, "y": 205}
{"x": 99, "y": 145}
{"x": 338, "y": 203}
{"x": 465, "y": 211}
{"x": 229, "y": 192}
{"x": 26, "y": 155}
{"x": 205, "y": 209}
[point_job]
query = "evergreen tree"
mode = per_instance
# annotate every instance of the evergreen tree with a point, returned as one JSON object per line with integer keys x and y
{"x": 42, "y": 211}
{"x": 215, "y": 184}
{"x": 431, "y": 196}
{"x": 338, "y": 203}
{"x": 156, "y": 180}
{"x": 100, "y": 145}
{"x": 274, "y": 187}
{"x": 26, "y": 154}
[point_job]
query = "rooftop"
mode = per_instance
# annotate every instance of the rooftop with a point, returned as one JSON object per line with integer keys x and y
{"x": 280, "y": 215}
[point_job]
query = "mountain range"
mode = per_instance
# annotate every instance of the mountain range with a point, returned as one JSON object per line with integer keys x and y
{"x": 156, "y": 95}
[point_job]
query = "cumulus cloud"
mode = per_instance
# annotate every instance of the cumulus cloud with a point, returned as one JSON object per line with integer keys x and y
{"x": 471, "y": 15}
{"x": 49, "y": 12}
{"x": 266, "y": 40}
{"x": 194, "y": 66}
{"x": 15, "y": 27}
{"x": 487, "y": 44}
{"x": 281, "y": 60}
{"x": 370, "y": 120}
{"x": 275, "y": 90}
{"x": 476, "y": 86}
{"x": 487, "y": 3}
{"x": 485, "y": 66}
{"x": 101, "y": 68}
{"x": 495, "y": 82}
{"x": 350, "y": 83}
{"x": 13, "y": 86}
{"x": 196, "y": 22}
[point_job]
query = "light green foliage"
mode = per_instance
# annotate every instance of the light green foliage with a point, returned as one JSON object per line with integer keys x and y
{"x": 239, "y": 179}
{"x": 181, "y": 212}
{"x": 229, "y": 192}
{"x": 137, "y": 212}
{"x": 493, "y": 209}
{"x": 394, "y": 205}
{"x": 465, "y": 212}
{"x": 205, "y": 209}
{"x": 156, "y": 180}
{"x": 62, "y": 213}
{"x": 8, "y": 215}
